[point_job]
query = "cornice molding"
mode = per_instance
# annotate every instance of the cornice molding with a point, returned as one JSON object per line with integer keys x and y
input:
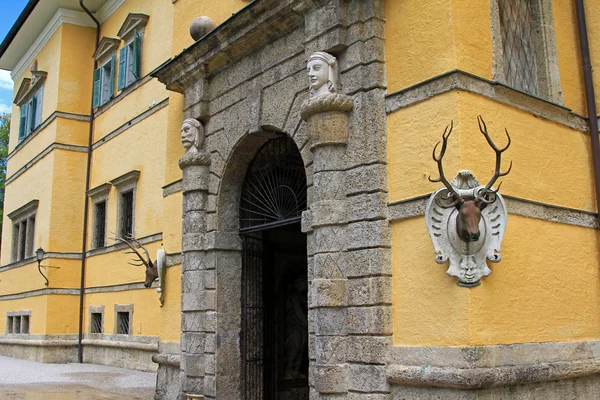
{"x": 108, "y": 9}
{"x": 62, "y": 15}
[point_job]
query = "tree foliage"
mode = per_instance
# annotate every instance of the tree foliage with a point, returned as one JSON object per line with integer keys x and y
{"x": 4, "y": 135}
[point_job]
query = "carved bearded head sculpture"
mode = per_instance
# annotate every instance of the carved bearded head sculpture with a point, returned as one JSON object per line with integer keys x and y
{"x": 322, "y": 73}
{"x": 192, "y": 135}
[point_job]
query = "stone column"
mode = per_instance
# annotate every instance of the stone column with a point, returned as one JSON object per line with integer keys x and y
{"x": 326, "y": 225}
{"x": 198, "y": 294}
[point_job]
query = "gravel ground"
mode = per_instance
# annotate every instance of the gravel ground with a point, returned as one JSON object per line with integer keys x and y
{"x": 30, "y": 380}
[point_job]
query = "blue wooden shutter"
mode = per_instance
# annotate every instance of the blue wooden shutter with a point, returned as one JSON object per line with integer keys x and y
{"x": 38, "y": 111}
{"x": 136, "y": 55}
{"x": 122, "y": 68}
{"x": 23, "y": 122}
{"x": 97, "y": 86}
{"x": 31, "y": 111}
{"x": 111, "y": 87}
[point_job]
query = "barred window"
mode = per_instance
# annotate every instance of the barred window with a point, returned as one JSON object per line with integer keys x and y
{"x": 123, "y": 323}
{"x": 525, "y": 55}
{"x": 17, "y": 322}
{"x": 96, "y": 323}
{"x": 9, "y": 324}
{"x": 23, "y": 231}
{"x": 126, "y": 222}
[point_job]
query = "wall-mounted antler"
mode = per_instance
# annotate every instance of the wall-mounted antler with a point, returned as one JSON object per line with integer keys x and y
{"x": 134, "y": 245}
{"x": 482, "y": 195}
{"x": 469, "y": 210}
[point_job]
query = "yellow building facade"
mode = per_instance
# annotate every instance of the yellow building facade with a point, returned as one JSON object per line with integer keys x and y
{"x": 298, "y": 258}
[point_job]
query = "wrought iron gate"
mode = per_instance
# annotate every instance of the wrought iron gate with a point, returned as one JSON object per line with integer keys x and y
{"x": 253, "y": 316}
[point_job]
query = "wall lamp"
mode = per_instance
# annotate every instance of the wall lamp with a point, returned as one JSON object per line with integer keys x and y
{"x": 39, "y": 255}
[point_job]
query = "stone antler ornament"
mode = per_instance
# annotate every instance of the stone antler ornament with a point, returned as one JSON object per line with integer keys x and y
{"x": 154, "y": 270}
{"x": 466, "y": 220}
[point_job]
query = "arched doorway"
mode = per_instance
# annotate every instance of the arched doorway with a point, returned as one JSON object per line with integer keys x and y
{"x": 274, "y": 275}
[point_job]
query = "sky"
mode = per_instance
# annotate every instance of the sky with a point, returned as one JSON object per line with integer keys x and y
{"x": 9, "y": 12}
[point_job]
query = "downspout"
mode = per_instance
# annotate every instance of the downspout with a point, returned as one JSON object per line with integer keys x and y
{"x": 590, "y": 98}
{"x": 86, "y": 202}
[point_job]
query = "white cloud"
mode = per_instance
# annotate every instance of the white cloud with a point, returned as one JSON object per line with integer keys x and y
{"x": 5, "y": 109}
{"x": 5, "y": 80}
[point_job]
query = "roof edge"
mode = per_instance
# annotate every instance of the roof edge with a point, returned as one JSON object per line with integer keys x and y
{"x": 17, "y": 26}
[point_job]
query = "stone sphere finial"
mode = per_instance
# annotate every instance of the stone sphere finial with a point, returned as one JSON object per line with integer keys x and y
{"x": 192, "y": 135}
{"x": 322, "y": 74}
{"x": 200, "y": 26}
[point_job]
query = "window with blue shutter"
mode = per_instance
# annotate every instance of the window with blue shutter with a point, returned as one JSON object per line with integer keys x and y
{"x": 122, "y": 68}
{"x": 97, "y": 86}
{"x": 31, "y": 114}
{"x": 111, "y": 87}
{"x": 136, "y": 63}
{"x": 38, "y": 111}
{"x": 23, "y": 122}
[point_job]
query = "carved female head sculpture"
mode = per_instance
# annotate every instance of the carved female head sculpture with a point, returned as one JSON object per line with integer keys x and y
{"x": 192, "y": 135}
{"x": 322, "y": 73}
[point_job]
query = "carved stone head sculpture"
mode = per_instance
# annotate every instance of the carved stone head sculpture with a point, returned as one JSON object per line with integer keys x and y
{"x": 466, "y": 220}
{"x": 322, "y": 74}
{"x": 192, "y": 135}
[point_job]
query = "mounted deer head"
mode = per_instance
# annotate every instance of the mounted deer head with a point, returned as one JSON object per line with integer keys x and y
{"x": 134, "y": 245}
{"x": 469, "y": 209}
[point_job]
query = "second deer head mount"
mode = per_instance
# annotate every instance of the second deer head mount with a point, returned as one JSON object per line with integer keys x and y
{"x": 466, "y": 220}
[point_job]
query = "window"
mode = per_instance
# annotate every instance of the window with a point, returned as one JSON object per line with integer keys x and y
{"x": 23, "y": 231}
{"x": 104, "y": 83}
{"x": 129, "y": 62}
{"x": 99, "y": 197}
{"x": 126, "y": 211}
{"x": 29, "y": 99}
{"x": 525, "y": 56}
{"x": 123, "y": 319}
{"x": 96, "y": 321}
{"x": 100, "y": 224}
{"x": 31, "y": 115}
{"x": 126, "y": 186}
{"x": 17, "y": 322}
{"x": 104, "y": 75}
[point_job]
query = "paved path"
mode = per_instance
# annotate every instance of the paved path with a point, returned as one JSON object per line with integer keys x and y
{"x": 29, "y": 380}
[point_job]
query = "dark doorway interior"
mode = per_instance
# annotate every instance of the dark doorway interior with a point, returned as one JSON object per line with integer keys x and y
{"x": 275, "y": 314}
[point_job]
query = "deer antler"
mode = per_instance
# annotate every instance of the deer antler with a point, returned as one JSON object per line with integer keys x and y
{"x": 497, "y": 174}
{"x": 133, "y": 245}
{"x": 438, "y": 159}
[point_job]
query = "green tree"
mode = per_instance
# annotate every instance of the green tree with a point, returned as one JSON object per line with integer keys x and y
{"x": 4, "y": 134}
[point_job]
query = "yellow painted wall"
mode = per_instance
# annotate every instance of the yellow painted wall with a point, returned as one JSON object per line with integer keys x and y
{"x": 419, "y": 41}
{"x": 546, "y": 288}
{"x": 149, "y": 319}
{"x": 76, "y": 69}
{"x": 63, "y": 314}
{"x": 547, "y": 157}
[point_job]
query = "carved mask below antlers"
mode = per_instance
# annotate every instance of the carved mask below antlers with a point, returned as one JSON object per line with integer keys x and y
{"x": 134, "y": 245}
{"x": 469, "y": 209}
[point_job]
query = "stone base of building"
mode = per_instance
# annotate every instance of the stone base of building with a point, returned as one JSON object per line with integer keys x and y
{"x": 168, "y": 379}
{"x": 132, "y": 352}
{"x": 570, "y": 389}
{"x": 57, "y": 349}
{"x": 548, "y": 371}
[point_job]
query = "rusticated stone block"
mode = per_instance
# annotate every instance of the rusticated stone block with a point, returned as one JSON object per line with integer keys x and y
{"x": 368, "y": 262}
{"x": 195, "y": 177}
{"x": 369, "y": 349}
{"x": 193, "y": 384}
{"x": 192, "y": 342}
{"x": 367, "y": 234}
{"x": 194, "y": 201}
{"x": 330, "y": 238}
{"x": 328, "y": 293}
{"x": 328, "y": 265}
{"x": 370, "y": 291}
{"x": 368, "y": 178}
{"x": 210, "y": 385}
{"x": 330, "y": 321}
{"x": 328, "y": 212}
{"x": 331, "y": 378}
{"x": 193, "y": 364}
{"x": 367, "y": 206}
{"x": 370, "y": 320}
{"x": 368, "y": 378}
{"x": 331, "y": 349}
